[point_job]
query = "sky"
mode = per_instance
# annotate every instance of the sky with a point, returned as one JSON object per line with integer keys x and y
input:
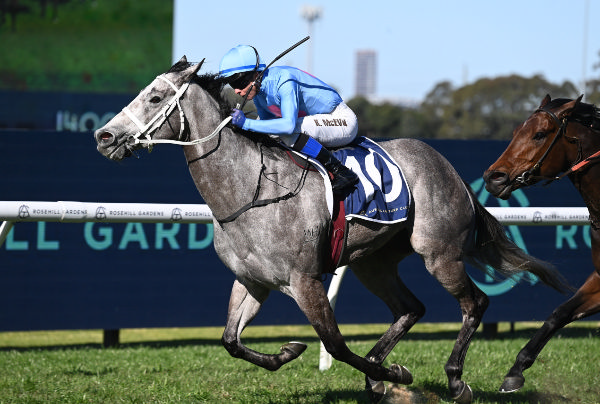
{"x": 418, "y": 43}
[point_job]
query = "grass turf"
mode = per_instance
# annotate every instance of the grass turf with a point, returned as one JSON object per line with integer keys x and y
{"x": 191, "y": 366}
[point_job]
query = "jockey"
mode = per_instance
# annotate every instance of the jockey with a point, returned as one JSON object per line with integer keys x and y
{"x": 304, "y": 112}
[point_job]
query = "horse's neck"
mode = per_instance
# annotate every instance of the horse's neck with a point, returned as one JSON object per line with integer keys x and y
{"x": 225, "y": 169}
{"x": 588, "y": 180}
{"x": 588, "y": 185}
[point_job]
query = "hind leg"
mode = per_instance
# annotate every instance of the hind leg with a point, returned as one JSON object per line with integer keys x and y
{"x": 311, "y": 297}
{"x": 380, "y": 276}
{"x": 473, "y": 303}
{"x": 244, "y": 304}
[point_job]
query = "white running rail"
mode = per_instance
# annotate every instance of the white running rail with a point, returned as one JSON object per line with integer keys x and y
{"x": 78, "y": 212}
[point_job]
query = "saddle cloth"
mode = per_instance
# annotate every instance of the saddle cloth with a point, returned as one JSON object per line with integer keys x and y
{"x": 382, "y": 194}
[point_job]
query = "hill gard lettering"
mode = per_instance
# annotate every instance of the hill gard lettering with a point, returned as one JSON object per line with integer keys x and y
{"x": 104, "y": 236}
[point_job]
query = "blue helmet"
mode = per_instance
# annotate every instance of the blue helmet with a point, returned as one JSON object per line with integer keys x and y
{"x": 242, "y": 58}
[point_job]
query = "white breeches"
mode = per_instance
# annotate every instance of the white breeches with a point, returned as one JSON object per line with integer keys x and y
{"x": 335, "y": 129}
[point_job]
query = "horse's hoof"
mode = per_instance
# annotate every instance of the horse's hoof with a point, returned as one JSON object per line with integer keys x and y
{"x": 403, "y": 374}
{"x": 465, "y": 396}
{"x": 375, "y": 390}
{"x": 293, "y": 348}
{"x": 512, "y": 384}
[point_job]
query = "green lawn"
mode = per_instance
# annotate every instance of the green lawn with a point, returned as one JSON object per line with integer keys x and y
{"x": 191, "y": 366}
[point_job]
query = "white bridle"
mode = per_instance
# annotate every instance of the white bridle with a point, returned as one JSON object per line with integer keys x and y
{"x": 159, "y": 119}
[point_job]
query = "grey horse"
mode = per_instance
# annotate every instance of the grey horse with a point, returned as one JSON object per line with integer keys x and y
{"x": 284, "y": 246}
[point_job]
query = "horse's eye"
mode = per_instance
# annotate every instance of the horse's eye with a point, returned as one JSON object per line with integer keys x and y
{"x": 155, "y": 99}
{"x": 539, "y": 135}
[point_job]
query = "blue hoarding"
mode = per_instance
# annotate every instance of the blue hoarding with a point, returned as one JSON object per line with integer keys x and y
{"x": 58, "y": 111}
{"x": 98, "y": 275}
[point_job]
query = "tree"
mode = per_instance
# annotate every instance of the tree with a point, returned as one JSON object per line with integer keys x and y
{"x": 592, "y": 87}
{"x": 592, "y": 94}
{"x": 437, "y": 101}
{"x": 387, "y": 120}
{"x": 491, "y": 108}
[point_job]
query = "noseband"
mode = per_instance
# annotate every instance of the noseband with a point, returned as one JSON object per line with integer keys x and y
{"x": 160, "y": 118}
{"x": 527, "y": 176}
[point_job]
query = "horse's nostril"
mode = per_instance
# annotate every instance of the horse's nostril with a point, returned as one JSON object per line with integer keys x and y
{"x": 105, "y": 137}
{"x": 497, "y": 176}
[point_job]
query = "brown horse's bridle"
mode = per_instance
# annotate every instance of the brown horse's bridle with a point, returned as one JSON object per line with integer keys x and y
{"x": 528, "y": 175}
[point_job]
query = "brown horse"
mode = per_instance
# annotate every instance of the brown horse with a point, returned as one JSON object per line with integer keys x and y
{"x": 561, "y": 138}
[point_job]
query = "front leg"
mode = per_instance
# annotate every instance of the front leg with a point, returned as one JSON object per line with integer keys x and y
{"x": 244, "y": 304}
{"x": 585, "y": 302}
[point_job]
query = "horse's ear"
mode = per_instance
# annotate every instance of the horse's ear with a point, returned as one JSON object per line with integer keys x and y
{"x": 566, "y": 109}
{"x": 545, "y": 101}
{"x": 183, "y": 59}
{"x": 192, "y": 70}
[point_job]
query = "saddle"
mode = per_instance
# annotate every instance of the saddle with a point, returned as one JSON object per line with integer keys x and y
{"x": 382, "y": 195}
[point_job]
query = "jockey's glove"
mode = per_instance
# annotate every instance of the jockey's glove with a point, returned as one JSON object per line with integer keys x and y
{"x": 238, "y": 117}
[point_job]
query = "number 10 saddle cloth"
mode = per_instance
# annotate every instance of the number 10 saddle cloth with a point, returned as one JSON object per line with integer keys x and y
{"x": 382, "y": 194}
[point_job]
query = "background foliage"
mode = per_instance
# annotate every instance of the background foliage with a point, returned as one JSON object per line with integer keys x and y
{"x": 119, "y": 46}
{"x": 84, "y": 45}
{"x": 489, "y": 108}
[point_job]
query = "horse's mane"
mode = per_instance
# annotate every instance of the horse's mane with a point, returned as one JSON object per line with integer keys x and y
{"x": 586, "y": 114}
{"x": 213, "y": 84}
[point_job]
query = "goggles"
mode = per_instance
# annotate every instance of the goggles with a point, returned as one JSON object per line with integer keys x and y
{"x": 240, "y": 80}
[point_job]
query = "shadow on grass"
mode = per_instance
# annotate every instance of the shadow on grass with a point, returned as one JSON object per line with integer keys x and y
{"x": 526, "y": 333}
{"x": 429, "y": 392}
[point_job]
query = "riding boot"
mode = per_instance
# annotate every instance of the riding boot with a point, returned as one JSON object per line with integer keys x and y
{"x": 344, "y": 179}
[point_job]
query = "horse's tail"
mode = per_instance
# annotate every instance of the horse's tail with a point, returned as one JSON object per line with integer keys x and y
{"x": 494, "y": 248}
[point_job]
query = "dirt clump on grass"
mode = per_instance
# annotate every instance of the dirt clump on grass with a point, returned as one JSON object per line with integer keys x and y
{"x": 398, "y": 394}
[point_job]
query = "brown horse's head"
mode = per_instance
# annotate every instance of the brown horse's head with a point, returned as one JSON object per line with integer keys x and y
{"x": 540, "y": 149}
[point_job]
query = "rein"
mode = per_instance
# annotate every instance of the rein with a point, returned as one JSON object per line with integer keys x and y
{"x": 255, "y": 203}
{"x": 160, "y": 118}
{"x": 580, "y": 165}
